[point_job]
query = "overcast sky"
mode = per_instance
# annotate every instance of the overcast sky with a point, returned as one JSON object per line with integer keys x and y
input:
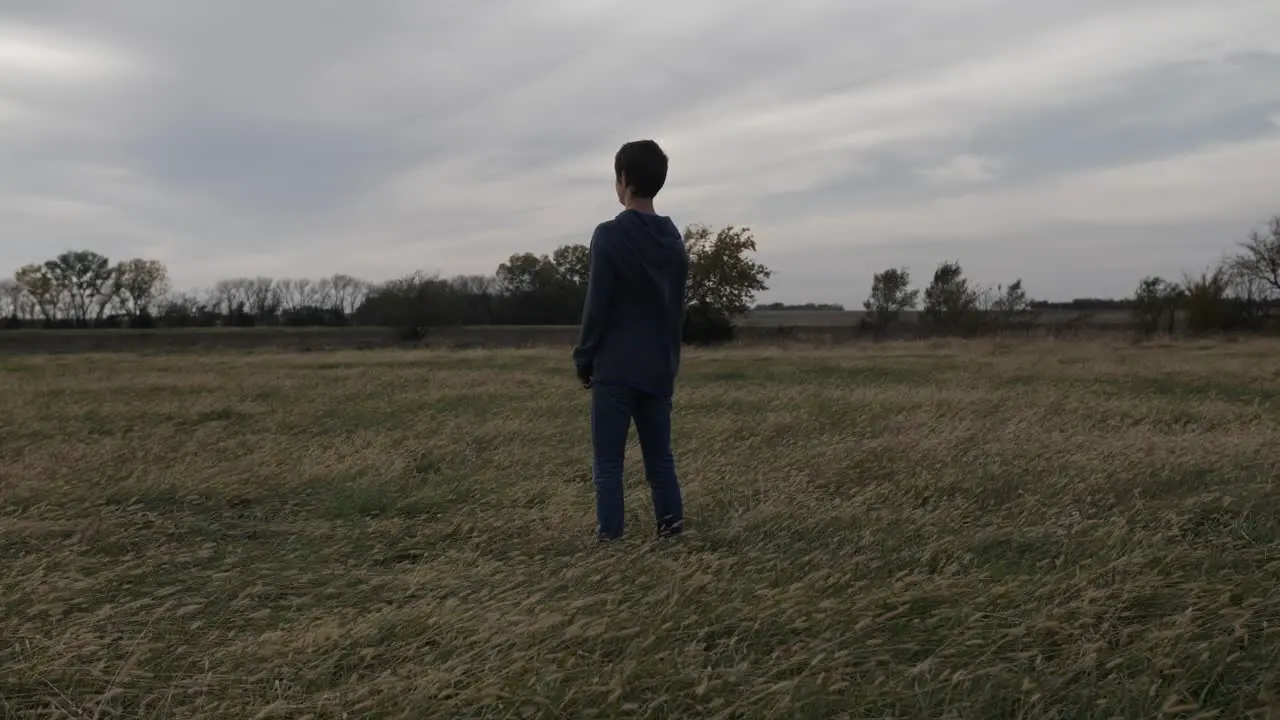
{"x": 1078, "y": 144}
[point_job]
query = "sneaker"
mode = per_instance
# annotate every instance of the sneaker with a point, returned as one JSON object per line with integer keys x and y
{"x": 670, "y": 528}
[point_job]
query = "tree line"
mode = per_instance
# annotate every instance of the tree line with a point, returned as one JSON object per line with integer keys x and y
{"x": 1238, "y": 293}
{"x": 84, "y": 289}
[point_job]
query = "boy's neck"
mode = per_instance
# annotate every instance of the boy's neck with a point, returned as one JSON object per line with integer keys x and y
{"x": 644, "y": 205}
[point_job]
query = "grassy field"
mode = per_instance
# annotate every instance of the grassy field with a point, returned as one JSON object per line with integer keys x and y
{"x": 1047, "y": 530}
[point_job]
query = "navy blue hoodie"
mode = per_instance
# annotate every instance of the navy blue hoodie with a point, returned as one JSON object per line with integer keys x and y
{"x": 634, "y": 313}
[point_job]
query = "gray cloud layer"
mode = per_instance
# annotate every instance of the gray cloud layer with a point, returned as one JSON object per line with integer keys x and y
{"x": 1079, "y": 144}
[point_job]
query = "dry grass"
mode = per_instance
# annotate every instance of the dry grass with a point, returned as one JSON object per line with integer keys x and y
{"x": 944, "y": 530}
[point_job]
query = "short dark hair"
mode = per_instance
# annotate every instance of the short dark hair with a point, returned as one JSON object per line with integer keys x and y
{"x": 644, "y": 165}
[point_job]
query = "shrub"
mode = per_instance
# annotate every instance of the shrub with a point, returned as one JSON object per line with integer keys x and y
{"x": 706, "y": 325}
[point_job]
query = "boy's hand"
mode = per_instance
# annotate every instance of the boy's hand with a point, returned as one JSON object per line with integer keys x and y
{"x": 584, "y": 376}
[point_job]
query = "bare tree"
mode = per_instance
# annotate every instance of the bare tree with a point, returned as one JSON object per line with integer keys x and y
{"x": 231, "y": 296}
{"x": 475, "y": 284}
{"x": 182, "y": 307}
{"x": 348, "y": 293}
{"x": 294, "y": 293}
{"x": 1258, "y": 264}
{"x": 12, "y": 300}
{"x": 263, "y": 299}
{"x": 1250, "y": 293}
{"x": 324, "y": 293}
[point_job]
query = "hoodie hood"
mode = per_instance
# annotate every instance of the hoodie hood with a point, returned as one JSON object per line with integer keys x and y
{"x": 652, "y": 242}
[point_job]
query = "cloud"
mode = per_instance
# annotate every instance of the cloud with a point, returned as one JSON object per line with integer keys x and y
{"x": 962, "y": 169}
{"x": 302, "y": 138}
{"x": 30, "y": 55}
{"x": 1227, "y": 181}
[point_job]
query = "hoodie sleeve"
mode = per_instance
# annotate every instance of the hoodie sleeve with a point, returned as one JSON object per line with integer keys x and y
{"x": 595, "y": 311}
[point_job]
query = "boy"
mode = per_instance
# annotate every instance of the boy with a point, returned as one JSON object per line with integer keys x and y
{"x": 629, "y": 351}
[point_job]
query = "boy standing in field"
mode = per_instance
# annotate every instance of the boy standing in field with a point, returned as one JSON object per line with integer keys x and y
{"x": 629, "y": 351}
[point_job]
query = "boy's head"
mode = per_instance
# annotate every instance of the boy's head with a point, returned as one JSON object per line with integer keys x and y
{"x": 640, "y": 170}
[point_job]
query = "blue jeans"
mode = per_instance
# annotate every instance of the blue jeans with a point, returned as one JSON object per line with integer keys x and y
{"x": 612, "y": 409}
